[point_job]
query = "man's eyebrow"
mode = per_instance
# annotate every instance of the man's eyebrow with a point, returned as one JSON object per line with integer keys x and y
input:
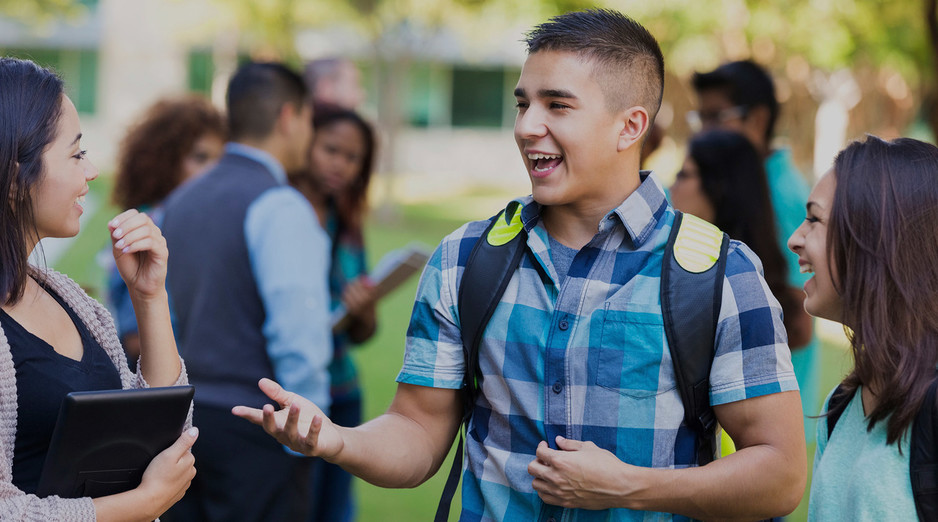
{"x": 810, "y": 204}
{"x": 556, "y": 93}
{"x": 547, "y": 93}
{"x": 77, "y": 139}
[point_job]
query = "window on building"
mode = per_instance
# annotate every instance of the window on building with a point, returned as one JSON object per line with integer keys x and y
{"x": 427, "y": 88}
{"x": 77, "y": 67}
{"x": 201, "y": 72}
{"x": 436, "y": 94}
{"x": 478, "y": 97}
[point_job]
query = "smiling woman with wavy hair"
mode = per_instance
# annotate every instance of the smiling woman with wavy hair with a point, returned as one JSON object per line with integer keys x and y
{"x": 871, "y": 239}
{"x": 175, "y": 140}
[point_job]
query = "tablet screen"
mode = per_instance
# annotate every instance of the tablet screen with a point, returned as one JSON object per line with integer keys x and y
{"x": 104, "y": 440}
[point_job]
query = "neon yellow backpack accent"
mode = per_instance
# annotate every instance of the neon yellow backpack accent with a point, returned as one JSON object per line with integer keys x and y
{"x": 697, "y": 246}
{"x": 727, "y": 445}
{"x": 504, "y": 231}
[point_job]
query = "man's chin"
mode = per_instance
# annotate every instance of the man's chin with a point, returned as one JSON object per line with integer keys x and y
{"x": 546, "y": 197}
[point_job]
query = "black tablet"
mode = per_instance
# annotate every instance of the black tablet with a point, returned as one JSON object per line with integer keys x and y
{"x": 104, "y": 440}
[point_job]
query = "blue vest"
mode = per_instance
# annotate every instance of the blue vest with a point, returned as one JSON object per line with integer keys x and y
{"x": 220, "y": 315}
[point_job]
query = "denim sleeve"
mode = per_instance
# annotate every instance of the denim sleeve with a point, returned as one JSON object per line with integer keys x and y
{"x": 121, "y": 307}
{"x": 289, "y": 254}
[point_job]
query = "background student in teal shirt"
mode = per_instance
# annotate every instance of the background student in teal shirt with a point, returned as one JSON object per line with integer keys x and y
{"x": 740, "y": 96}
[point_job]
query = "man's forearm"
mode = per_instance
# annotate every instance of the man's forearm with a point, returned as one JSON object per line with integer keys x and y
{"x": 392, "y": 451}
{"x": 754, "y": 483}
{"x": 405, "y": 446}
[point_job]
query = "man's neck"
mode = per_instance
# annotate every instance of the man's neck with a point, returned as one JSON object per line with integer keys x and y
{"x": 269, "y": 145}
{"x": 575, "y": 224}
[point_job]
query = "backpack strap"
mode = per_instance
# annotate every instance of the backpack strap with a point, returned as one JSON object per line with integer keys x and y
{"x": 923, "y": 456}
{"x": 836, "y": 407}
{"x": 492, "y": 262}
{"x": 692, "y": 274}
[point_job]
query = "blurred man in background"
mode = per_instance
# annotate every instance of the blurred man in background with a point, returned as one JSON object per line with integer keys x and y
{"x": 248, "y": 279}
{"x": 334, "y": 81}
{"x": 740, "y": 96}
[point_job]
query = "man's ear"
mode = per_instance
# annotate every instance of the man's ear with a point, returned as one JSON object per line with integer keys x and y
{"x": 286, "y": 118}
{"x": 757, "y": 123}
{"x": 635, "y": 123}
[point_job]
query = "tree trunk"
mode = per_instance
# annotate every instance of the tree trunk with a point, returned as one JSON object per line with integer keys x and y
{"x": 931, "y": 98}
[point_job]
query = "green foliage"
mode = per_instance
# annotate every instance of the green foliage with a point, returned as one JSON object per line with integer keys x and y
{"x": 38, "y": 11}
{"x": 827, "y": 34}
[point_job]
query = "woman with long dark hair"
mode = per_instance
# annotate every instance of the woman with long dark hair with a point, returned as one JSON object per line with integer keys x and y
{"x": 55, "y": 339}
{"x": 341, "y": 164}
{"x": 723, "y": 181}
{"x": 870, "y": 239}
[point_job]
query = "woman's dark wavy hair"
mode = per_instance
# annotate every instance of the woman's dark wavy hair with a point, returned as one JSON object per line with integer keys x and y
{"x": 351, "y": 204}
{"x": 30, "y": 107}
{"x": 149, "y": 164}
{"x": 883, "y": 242}
{"x": 733, "y": 178}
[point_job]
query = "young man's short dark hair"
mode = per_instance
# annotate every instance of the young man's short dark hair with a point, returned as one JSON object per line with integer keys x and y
{"x": 627, "y": 58}
{"x": 746, "y": 84}
{"x": 256, "y": 93}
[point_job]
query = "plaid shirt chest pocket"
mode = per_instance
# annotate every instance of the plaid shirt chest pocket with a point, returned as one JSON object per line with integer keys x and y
{"x": 632, "y": 353}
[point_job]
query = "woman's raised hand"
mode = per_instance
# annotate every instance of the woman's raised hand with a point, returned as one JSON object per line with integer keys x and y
{"x": 140, "y": 253}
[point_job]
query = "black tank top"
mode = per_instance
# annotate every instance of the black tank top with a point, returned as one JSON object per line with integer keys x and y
{"x": 43, "y": 378}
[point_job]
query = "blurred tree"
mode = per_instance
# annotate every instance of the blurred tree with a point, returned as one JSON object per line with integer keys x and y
{"x": 931, "y": 94}
{"x": 816, "y": 49}
{"x": 32, "y": 11}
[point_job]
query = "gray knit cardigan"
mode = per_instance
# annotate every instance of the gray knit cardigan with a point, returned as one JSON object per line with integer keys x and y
{"x": 14, "y": 503}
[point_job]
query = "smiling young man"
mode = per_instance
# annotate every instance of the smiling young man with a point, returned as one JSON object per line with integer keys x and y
{"x": 579, "y": 417}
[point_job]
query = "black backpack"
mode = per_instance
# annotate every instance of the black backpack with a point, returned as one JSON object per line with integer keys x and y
{"x": 691, "y": 292}
{"x": 923, "y": 456}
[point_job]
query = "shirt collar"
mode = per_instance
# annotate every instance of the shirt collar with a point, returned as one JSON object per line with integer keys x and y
{"x": 639, "y": 213}
{"x": 260, "y": 156}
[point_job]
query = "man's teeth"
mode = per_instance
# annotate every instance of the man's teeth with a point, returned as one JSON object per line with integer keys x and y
{"x": 543, "y": 156}
{"x": 80, "y": 200}
{"x": 806, "y": 269}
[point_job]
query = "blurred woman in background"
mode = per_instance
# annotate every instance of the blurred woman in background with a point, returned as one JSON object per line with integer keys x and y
{"x": 341, "y": 163}
{"x": 176, "y": 140}
{"x": 723, "y": 181}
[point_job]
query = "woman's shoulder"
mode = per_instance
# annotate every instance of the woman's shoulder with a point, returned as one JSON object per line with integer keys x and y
{"x": 61, "y": 284}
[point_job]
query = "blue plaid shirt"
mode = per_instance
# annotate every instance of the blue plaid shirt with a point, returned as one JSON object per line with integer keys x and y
{"x": 587, "y": 359}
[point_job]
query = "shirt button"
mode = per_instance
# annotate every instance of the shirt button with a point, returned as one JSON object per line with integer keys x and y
{"x": 557, "y": 387}
{"x": 564, "y": 324}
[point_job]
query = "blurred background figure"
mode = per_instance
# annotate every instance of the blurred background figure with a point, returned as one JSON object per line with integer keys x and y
{"x": 723, "y": 181}
{"x": 740, "y": 96}
{"x": 248, "y": 278}
{"x": 336, "y": 184}
{"x": 174, "y": 141}
{"x": 334, "y": 81}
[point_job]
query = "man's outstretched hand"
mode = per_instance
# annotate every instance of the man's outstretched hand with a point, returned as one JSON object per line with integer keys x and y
{"x": 298, "y": 424}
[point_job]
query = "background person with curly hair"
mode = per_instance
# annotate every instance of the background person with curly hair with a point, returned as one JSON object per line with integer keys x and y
{"x": 176, "y": 140}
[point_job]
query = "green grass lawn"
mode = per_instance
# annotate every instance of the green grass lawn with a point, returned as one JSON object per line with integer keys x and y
{"x": 380, "y": 359}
